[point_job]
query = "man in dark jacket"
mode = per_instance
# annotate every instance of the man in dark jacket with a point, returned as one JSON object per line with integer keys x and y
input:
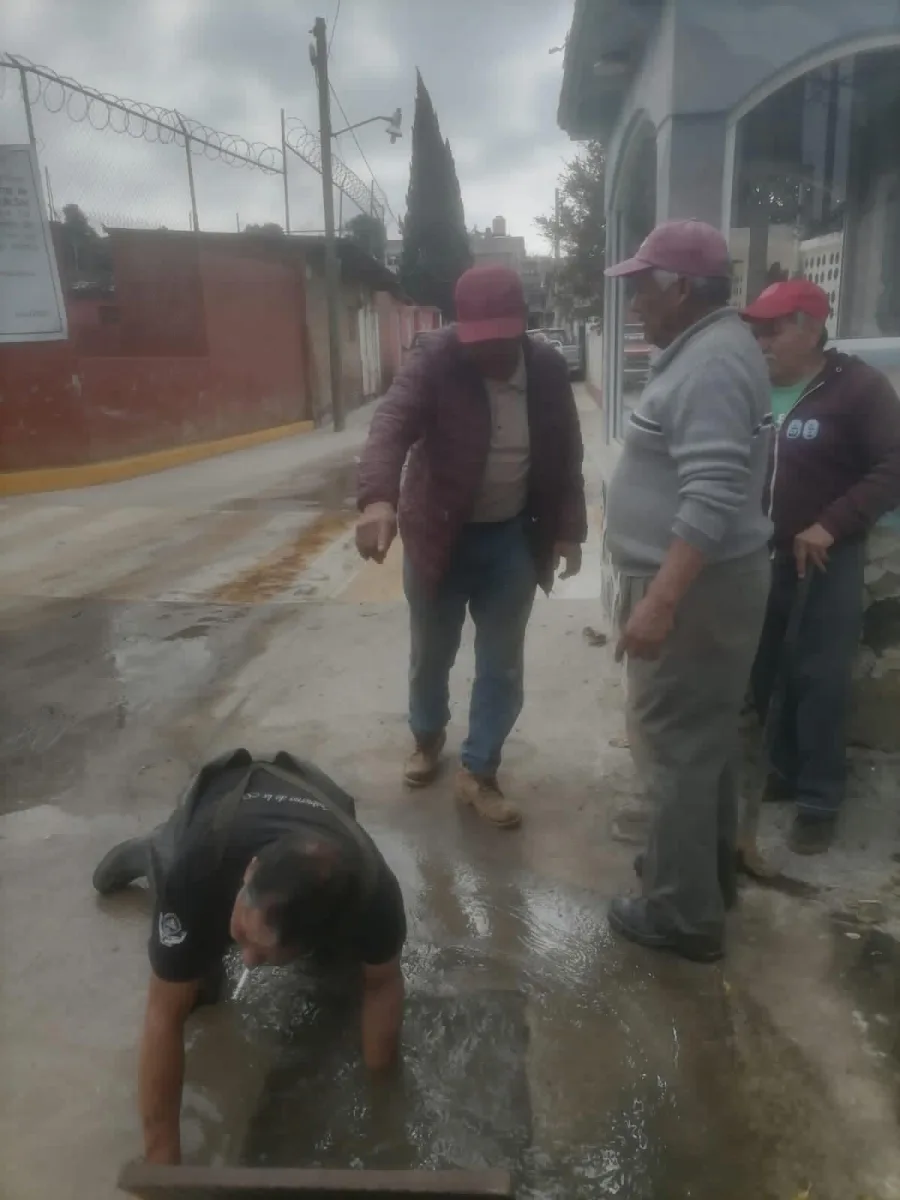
{"x": 492, "y": 499}
{"x": 835, "y": 471}
{"x": 268, "y": 855}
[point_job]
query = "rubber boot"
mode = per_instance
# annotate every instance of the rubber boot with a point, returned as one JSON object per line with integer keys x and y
{"x": 122, "y": 866}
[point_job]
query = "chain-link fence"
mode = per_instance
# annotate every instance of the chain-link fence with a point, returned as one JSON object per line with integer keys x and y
{"x": 129, "y": 164}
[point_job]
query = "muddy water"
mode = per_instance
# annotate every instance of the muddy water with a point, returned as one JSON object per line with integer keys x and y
{"x": 531, "y": 1042}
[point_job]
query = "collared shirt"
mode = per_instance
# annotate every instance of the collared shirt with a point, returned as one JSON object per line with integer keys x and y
{"x": 504, "y": 488}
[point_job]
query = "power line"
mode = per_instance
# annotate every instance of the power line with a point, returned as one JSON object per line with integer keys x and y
{"x": 337, "y": 13}
{"x": 363, "y": 153}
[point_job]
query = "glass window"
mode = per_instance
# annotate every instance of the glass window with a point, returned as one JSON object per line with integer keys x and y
{"x": 817, "y": 185}
{"x": 636, "y": 216}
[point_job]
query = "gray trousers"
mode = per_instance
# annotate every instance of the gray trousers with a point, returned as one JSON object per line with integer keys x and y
{"x": 684, "y": 712}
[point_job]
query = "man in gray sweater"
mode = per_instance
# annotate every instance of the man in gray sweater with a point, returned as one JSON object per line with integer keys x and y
{"x": 686, "y": 532}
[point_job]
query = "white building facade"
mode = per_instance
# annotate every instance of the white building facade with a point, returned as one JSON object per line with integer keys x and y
{"x": 778, "y": 122}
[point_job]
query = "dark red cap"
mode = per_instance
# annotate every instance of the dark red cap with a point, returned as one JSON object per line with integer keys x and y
{"x": 785, "y": 299}
{"x": 490, "y": 305}
{"x": 690, "y": 249}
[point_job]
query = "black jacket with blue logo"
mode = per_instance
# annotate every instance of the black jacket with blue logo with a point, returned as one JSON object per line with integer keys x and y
{"x": 836, "y": 458}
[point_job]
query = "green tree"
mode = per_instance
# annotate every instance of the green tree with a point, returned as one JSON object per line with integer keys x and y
{"x": 580, "y": 229}
{"x": 266, "y": 227}
{"x": 369, "y": 233}
{"x": 85, "y": 257}
{"x": 435, "y": 242}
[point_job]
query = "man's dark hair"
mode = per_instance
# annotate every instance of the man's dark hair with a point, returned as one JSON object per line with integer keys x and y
{"x": 308, "y": 885}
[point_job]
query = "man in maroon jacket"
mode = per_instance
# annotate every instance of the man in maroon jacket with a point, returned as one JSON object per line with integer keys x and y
{"x": 492, "y": 499}
{"x": 835, "y": 471}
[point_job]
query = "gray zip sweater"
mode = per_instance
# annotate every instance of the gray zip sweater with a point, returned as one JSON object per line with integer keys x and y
{"x": 696, "y": 450}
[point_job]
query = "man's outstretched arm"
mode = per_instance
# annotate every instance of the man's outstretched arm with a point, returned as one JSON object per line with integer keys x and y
{"x": 382, "y": 1013}
{"x": 161, "y": 1071}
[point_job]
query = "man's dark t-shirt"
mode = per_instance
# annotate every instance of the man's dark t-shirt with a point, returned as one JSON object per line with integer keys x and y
{"x": 196, "y": 896}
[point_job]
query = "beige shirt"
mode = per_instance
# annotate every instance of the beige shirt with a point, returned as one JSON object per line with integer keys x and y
{"x": 504, "y": 489}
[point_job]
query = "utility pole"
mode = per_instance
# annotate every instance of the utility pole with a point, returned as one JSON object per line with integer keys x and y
{"x": 556, "y": 256}
{"x": 195, "y": 220}
{"x": 556, "y": 228}
{"x": 284, "y": 163}
{"x": 332, "y": 277}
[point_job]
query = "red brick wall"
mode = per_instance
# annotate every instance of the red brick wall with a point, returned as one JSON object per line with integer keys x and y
{"x": 397, "y": 326}
{"x": 209, "y": 343}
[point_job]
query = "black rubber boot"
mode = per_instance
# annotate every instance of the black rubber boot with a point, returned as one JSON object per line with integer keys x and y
{"x": 628, "y": 916}
{"x": 123, "y": 865}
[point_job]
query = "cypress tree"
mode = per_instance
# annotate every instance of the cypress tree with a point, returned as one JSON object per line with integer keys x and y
{"x": 435, "y": 242}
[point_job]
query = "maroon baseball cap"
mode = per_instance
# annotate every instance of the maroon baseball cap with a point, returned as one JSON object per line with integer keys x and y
{"x": 690, "y": 248}
{"x": 490, "y": 305}
{"x": 785, "y": 299}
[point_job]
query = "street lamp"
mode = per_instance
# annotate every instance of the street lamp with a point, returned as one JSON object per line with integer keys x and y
{"x": 318, "y": 53}
{"x": 393, "y": 126}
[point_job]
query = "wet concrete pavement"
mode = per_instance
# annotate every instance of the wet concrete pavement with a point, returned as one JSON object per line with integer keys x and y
{"x": 152, "y": 624}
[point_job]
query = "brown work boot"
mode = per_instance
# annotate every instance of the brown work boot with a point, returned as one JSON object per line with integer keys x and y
{"x": 424, "y": 763}
{"x": 482, "y": 792}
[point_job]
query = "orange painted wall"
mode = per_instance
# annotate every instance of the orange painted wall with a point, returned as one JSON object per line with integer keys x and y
{"x": 208, "y": 341}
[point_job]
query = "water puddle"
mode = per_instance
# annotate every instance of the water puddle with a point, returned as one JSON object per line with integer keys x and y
{"x": 531, "y": 1042}
{"x": 868, "y": 964}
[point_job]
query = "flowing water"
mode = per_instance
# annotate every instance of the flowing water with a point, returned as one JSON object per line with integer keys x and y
{"x": 531, "y": 1042}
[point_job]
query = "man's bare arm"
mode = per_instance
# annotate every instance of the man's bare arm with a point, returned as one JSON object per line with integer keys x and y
{"x": 681, "y": 566}
{"x": 382, "y": 1014}
{"x": 161, "y": 1072}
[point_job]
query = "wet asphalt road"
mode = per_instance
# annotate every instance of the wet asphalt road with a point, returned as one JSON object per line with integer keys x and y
{"x": 150, "y": 625}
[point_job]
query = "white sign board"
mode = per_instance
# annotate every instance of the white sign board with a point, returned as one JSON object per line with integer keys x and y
{"x": 31, "y": 301}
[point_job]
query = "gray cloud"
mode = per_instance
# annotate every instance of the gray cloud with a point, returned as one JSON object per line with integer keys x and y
{"x": 233, "y": 65}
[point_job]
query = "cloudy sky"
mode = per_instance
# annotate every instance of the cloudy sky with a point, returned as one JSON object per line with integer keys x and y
{"x": 233, "y": 64}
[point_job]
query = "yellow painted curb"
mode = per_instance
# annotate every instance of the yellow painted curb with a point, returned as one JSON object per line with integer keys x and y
{"x": 57, "y": 479}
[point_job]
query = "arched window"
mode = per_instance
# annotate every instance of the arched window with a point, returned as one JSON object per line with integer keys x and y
{"x": 817, "y": 184}
{"x": 632, "y": 217}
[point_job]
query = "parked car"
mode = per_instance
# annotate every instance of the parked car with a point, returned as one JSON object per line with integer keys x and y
{"x": 571, "y": 351}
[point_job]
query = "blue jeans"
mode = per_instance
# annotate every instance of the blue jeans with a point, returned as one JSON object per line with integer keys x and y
{"x": 808, "y": 684}
{"x": 492, "y": 573}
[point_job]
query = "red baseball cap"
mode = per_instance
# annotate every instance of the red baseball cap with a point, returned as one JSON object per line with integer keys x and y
{"x": 490, "y": 305}
{"x": 686, "y": 248}
{"x": 785, "y": 299}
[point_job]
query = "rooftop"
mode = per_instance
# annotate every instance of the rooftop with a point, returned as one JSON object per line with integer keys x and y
{"x": 355, "y": 263}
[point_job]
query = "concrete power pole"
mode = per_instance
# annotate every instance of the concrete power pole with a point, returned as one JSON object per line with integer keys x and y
{"x": 332, "y": 276}
{"x": 556, "y": 317}
{"x": 556, "y": 228}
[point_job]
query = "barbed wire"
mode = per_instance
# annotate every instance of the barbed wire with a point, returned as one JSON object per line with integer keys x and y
{"x": 306, "y": 145}
{"x": 148, "y": 122}
{"x": 153, "y": 123}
